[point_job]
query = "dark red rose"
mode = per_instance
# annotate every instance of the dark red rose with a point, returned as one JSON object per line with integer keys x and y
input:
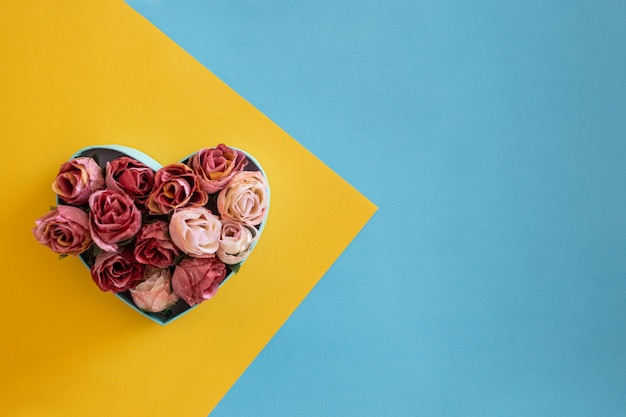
{"x": 197, "y": 279}
{"x": 175, "y": 186}
{"x": 113, "y": 218}
{"x": 154, "y": 247}
{"x": 129, "y": 176}
{"x": 116, "y": 272}
{"x": 216, "y": 166}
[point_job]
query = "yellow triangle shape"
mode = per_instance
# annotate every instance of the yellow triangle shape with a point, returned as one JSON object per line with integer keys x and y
{"x": 75, "y": 74}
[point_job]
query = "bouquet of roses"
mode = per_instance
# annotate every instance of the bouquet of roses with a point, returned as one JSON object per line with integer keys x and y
{"x": 163, "y": 240}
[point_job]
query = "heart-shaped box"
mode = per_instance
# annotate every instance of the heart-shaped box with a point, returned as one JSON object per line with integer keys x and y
{"x": 106, "y": 153}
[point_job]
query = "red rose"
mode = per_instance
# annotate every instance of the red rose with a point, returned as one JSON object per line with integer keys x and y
{"x": 65, "y": 230}
{"x": 175, "y": 186}
{"x": 77, "y": 179}
{"x": 129, "y": 176}
{"x": 216, "y": 166}
{"x": 116, "y": 272}
{"x": 154, "y": 247}
{"x": 197, "y": 279}
{"x": 113, "y": 218}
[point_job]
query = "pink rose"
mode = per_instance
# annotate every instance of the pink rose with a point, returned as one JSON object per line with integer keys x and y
{"x": 129, "y": 176}
{"x": 196, "y": 231}
{"x": 65, "y": 230}
{"x": 116, "y": 272}
{"x": 77, "y": 179}
{"x": 154, "y": 294}
{"x": 114, "y": 218}
{"x": 236, "y": 242}
{"x": 154, "y": 247}
{"x": 216, "y": 166}
{"x": 197, "y": 279}
{"x": 175, "y": 186}
{"x": 244, "y": 199}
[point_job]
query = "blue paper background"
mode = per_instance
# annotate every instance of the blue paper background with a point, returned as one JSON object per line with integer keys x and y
{"x": 491, "y": 134}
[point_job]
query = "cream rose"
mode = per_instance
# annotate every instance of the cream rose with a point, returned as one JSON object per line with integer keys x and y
{"x": 236, "y": 242}
{"x": 196, "y": 231}
{"x": 244, "y": 199}
{"x": 155, "y": 293}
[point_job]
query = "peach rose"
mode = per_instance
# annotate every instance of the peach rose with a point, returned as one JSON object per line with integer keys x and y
{"x": 244, "y": 199}
{"x": 175, "y": 186}
{"x": 113, "y": 218}
{"x": 154, "y": 293}
{"x": 236, "y": 242}
{"x": 77, "y": 179}
{"x": 216, "y": 166}
{"x": 198, "y": 279}
{"x": 65, "y": 230}
{"x": 196, "y": 231}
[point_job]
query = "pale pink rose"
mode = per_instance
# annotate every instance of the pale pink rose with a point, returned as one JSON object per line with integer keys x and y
{"x": 155, "y": 294}
{"x": 196, "y": 231}
{"x": 236, "y": 242}
{"x": 154, "y": 247}
{"x": 116, "y": 272}
{"x": 216, "y": 166}
{"x": 244, "y": 199}
{"x": 65, "y": 230}
{"x": 113, "y": 218}
{"x": 175, "y": 186}
{"x": 129, "y": 176}
{"x": 198, "y": 279}
{"x": 77, "y": 179}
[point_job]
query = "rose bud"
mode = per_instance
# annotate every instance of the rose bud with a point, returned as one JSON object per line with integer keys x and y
{"x": 77, "y": 179}
{"x": 113, "y": 218}
{"x": 175, "y": 186}
{"x": 116, "y": 272}
{"x": 216, "y": 166}
{"x": 154, "y": 293}
{"x": 129, "y": 176}
{"x": 154, "y": 247}
{"x": 236, "y": 242}
{"x": 197, "y": 279}
{"x": 196, "y": 231}
{"x": 244, "y": 199}
{"x": 65, "y": 230}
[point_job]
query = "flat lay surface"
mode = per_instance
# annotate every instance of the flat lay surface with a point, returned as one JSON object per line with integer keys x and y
{"x": 489, "y": 135}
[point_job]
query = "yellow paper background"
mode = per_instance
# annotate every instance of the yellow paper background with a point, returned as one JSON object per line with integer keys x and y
{"x": 74, "y": 74}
